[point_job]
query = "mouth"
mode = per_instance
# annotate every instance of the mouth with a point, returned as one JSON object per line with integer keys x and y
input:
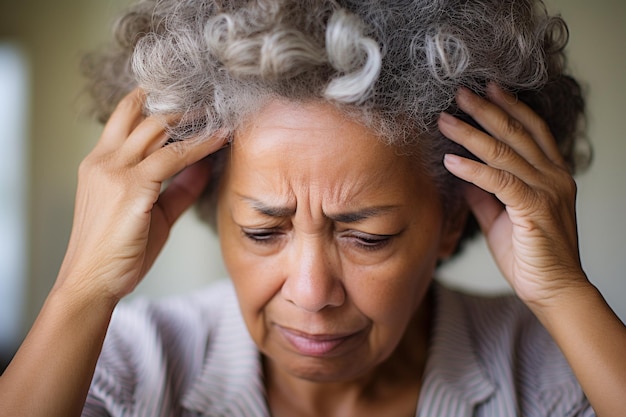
{"x": 319, "y": 345}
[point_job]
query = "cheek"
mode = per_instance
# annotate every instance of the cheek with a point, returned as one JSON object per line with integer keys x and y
{"x": 390, "y": 293}
{"x": 255, "y": 279}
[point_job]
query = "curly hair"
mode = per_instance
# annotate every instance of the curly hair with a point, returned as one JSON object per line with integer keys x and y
{"x": 393, "y": 65}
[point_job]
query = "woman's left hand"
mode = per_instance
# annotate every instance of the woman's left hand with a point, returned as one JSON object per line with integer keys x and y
{"x": 524, "y": 196}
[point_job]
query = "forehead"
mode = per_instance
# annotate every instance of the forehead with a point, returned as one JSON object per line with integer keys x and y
{"x": 289, "y": 149}
{"x": 316, "y": 123}
{"x": 314, "y": 139}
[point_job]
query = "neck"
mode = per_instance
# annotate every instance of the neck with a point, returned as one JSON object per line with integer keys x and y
{"x": 394, "y": 383}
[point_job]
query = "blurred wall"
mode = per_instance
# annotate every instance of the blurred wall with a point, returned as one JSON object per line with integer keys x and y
{"x": 52, "y": 36}
{"x": 55, "y": 33}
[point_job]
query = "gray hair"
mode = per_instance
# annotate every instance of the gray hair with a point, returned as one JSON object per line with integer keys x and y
{"x": 393, "y": 65}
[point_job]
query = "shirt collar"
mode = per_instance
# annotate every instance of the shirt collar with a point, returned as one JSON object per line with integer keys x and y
{"x": 231, "y": 380}
{"x": 454, "y": 374}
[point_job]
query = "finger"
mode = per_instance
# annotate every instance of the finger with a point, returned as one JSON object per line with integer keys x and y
{"x": 486, "y": 207}
{"x": 496, "y": 227}
{"x": 508, "y": 188}
{"x": 488, "y": 149}
{"x": 184, "y": 190}
{"x": 149, "y": 136}
{"x": 501, "y": 125}
{"x": 169, "y": 160}
{"x": 127, "y": 115}
{"x": 534, "y": 124}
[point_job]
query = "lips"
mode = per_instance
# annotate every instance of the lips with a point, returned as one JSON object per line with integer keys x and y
{"x": 317, "y": 345}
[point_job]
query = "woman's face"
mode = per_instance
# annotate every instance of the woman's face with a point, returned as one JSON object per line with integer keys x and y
{"x": 330, "y": 238}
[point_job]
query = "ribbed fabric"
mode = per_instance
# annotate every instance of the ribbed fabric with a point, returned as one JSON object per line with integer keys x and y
{"x": 490, "y": 357}
{"x": 192, "y": 356}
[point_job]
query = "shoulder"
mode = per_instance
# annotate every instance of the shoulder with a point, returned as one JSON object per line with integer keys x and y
{"x": 514, "y": 352}
{"x": 155, "y": 348}
{"x": 500, "y": 317}
{"x": 491, "y": 321}
{"x": 177, "y": 322}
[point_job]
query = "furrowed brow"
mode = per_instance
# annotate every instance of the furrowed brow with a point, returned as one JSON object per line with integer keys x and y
{"x": 346, "y": 217}
{"x": 269, "y": 210}
{"x": 359, "y": 215}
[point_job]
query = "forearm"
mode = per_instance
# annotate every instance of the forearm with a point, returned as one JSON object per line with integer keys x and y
{"x": 51, "y": 372}
{"x": 593, "y": 339}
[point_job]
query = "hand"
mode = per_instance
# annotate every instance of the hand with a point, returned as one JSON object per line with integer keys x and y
{"x": 122, "y": 219}
{"x": 524, "y": 196}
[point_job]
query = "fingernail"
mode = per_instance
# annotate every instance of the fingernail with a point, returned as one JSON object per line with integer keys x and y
{"x": 451, "y": 159}
{"x": 464, "y": 92}
{"x": 447, "y": 118}
{"x": 493, "y": 86}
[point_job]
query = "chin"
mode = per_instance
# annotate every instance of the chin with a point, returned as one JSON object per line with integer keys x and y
{"x": 323, "y": 370}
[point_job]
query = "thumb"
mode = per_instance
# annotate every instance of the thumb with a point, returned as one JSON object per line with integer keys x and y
{"x": 184, "y": 190}
{"x": 485, "y": 206}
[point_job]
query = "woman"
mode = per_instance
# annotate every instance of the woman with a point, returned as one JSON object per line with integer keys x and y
{"x": 342, "y": 151}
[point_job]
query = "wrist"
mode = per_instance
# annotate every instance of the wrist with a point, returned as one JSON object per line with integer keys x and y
{"x": 83, "y": 295}
{"x": 559, "y": 305}
{"x": 93, "y": 280}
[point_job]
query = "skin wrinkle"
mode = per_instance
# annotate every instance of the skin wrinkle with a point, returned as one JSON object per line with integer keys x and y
{"x": 345, "y": 217}
{"x": 337, "y": 195}
{"x": 335, "y": 280}
{"x": 310, "y": 276}
{"x": 429, "y": 49}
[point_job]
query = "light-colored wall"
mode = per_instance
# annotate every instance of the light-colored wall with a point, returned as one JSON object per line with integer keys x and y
{"x": 55, "y": 33}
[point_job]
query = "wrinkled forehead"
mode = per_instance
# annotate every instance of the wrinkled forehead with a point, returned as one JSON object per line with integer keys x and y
{"x": 287, "y": 151}
{"x": 315, "y": 133}
{"x": 321, "y": 125}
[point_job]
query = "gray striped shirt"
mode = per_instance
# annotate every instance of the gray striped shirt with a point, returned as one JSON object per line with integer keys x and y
{"x": 192, "y": 356}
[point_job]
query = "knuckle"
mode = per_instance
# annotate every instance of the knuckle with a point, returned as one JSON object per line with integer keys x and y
{"x": 542, "y": 127}
{"x": 98, "y": 166}
{"x": 129, "y": 101}
{"x": 563, "y": 184}
{"x": 87, "y": 166}
{"x": 512, "y": 127}
{"x": 568, "y": 186}
{"x": 505, "y": 180}
{"x": 558, "y": 191}
{"x": 500, "y": 151}
{"x": 178, "y": 149}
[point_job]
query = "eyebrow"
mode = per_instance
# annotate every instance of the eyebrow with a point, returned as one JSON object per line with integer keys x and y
{"x": 347, "y": 217}
{"x": 271, "y": 211}
{"x": 361, "y": 214}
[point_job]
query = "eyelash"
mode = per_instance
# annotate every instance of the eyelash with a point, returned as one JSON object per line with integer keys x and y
{"x": 261, "y": 236}
{"x": 370, "y": 242}
{"x": 362, "y": 241}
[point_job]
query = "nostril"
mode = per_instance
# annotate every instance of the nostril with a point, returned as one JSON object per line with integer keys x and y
{"x": 313, "y": 280}
{"x": 313, "y": 293}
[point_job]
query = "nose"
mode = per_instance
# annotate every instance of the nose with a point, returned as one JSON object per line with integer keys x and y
{"x": 313, "y": 282}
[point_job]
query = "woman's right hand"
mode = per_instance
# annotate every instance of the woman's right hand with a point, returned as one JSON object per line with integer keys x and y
{"x": 122, "y": 216}
{"x": 121, "y": 222}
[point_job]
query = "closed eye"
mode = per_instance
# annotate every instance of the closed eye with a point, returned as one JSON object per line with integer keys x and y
{"x": 367, "y": 241}
{"x": 261, "y": 236}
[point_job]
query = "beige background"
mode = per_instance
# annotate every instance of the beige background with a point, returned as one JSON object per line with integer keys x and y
{"x": 53, "y": 35}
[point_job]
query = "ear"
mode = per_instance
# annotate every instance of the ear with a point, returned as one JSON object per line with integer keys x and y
{"x": 452, "y": 229}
